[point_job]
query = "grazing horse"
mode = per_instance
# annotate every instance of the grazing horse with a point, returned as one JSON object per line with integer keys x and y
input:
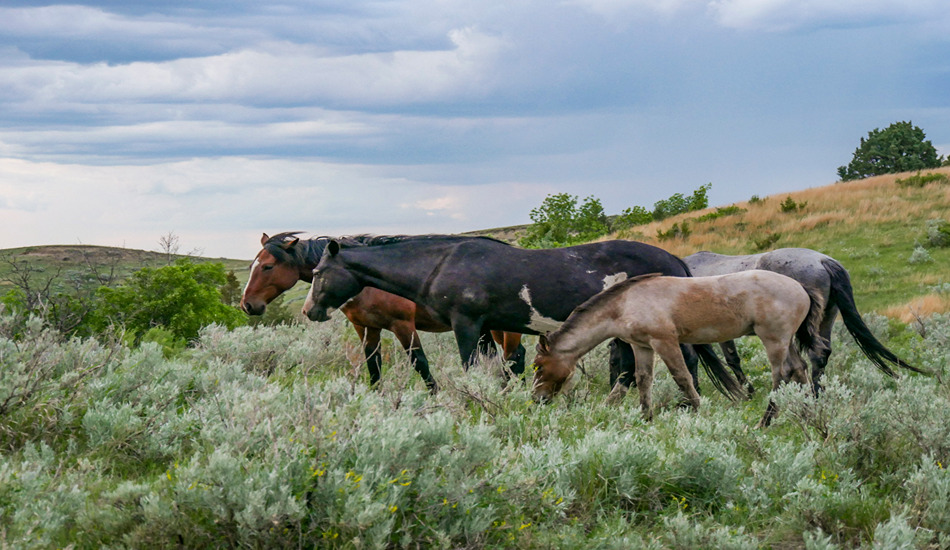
{"x": 818, "y": 273}
{"x": 475, "y": 282}
{"x": 656, "y": 314}
{"x": 285, "y": 259}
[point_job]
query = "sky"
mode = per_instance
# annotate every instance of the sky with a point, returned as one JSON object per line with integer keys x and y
{"x": 124, "y": 121}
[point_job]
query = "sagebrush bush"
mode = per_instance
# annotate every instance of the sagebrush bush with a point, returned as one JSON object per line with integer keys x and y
{"x": 271, "y": 438}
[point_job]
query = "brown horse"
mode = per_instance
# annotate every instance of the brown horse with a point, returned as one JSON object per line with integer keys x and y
{"x": 656, "y": 314}
{"x": 284, "y": 259}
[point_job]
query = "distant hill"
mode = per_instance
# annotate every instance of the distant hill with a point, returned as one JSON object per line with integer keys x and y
{"x": 872, "y": 226}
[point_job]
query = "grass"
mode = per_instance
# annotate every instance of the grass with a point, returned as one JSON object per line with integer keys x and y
{"x": 872, "y": 226}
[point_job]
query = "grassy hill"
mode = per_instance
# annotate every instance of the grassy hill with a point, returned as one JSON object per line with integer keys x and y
{"x": 871, "y": 226}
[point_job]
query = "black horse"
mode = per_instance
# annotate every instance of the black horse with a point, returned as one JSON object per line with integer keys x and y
{"x": 477, "y": 283}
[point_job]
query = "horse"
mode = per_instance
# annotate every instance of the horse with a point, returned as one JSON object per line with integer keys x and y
{"x": 284, "y": 259}
{"x": 818, "y": 273}
{"x": 655, "y": 314}
{"x": 471, "y": 283}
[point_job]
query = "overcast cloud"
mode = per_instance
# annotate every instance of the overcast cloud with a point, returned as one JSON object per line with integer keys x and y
{"x": 122, "y": 121}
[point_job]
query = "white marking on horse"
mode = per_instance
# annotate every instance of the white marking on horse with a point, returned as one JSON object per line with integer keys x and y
{"x": 611, "y": 280}
{"x": 538, "y": 322}
{"x": 253, "y": 265}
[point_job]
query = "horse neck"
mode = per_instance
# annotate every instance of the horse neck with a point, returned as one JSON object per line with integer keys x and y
{"x": 310, "y": 251}
{"x": 393, "y": 269}
{"x": 583, "y": 331}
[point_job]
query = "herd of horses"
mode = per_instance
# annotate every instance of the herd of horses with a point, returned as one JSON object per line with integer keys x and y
{"x": 642, "y": 298}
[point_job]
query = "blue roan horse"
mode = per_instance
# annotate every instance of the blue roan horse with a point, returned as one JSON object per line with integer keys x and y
{"x": 477, "y": 283}
{"x": 818, "y": 273}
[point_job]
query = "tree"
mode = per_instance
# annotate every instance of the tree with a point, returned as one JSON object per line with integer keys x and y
{"x": 559, "y": 221}
{"x": 901, "y": 147}
{"x": 180, "y": 298}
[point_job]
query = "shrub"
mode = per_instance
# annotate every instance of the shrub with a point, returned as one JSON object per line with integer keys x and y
{"x": 789, "y": 205}
{"x": 765, "y": 242}
{"x": 679, "y": 230}
{"x": 938, "y": 233}
{"x": 920, "y": 255}
{"x": 920, "y": 180}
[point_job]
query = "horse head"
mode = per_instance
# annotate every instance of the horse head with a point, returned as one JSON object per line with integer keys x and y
{"x": 551, "y": 371}
{"x": 273, "y": 272}
{"x": 333, "y": 285}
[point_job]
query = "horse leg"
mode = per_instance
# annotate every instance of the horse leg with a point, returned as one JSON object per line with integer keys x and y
{"x": 623, "y": 363}
{"x": 669, "y": 351}
{"x": 731, "y": 354}
{"x": 692, "y": 363}
{"x": 467, "y": 333}
{"x": 512, "y": 350}
{"x": 820, "y": 360}
{"x": 369, "y": 337}
{"x": 777, "y": 351}
{"x": 644, "y": 379}
{"x": 406, "y": 334}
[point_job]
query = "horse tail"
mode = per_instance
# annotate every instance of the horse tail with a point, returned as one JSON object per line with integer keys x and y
{"x": 723, "y": 381}
{"x": 809, "y": 332}
{"x": 842, "y": 296}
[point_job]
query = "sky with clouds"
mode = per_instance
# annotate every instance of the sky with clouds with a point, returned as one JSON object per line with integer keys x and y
{"x": 122, "y": 121}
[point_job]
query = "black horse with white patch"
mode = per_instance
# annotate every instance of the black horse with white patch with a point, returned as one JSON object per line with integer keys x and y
{"x": 477, "y": 283}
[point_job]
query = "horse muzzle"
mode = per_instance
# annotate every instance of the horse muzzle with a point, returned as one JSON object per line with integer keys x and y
{"x": 253, "y": 309}
{"x": 317, "y": 314}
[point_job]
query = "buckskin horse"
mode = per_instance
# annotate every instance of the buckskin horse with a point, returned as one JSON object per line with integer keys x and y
{"x": 284, "y": 259}
{"x": 471, "y": 283}
{"x": 656, "y": 314}
{"x": 818, "y": 273}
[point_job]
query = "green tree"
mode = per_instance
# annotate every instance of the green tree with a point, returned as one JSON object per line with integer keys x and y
{"x": 901, "y": 147}
{"x": 679, "y": 204}
{"x": 180, "y": 298}
{"x": 559, "y": 221}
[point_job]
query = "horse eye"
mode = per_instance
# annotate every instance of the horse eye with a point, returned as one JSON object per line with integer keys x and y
{"x": 266, "y": 267}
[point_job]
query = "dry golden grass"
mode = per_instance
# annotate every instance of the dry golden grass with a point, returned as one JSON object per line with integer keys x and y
{"x": 921, "y": 307}
{"x": 871, "y": 224}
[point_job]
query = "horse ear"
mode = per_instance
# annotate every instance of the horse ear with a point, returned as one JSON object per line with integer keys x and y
{"x": 333, "y": 247}
{"x": 287, "y": 245}
{"x": 264, "y": 239}
{"x": 543, "y": 345}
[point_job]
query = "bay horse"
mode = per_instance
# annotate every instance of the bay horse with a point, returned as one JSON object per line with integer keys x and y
{"x": 655, "y": 314}
{"x": 285, "y": 259}
{"x": 820, "y": 274}
{"x": 471, "y": 283}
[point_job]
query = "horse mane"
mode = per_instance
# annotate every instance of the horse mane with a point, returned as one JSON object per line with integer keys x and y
{"x": 597, "y": 300}
{"x": 304, "y": 252}
{"x": 384, "y": 240}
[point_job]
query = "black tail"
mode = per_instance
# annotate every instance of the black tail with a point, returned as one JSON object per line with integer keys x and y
{"x": 808, "y": 333}
{"x": 842, "y": 296}
{"x": 720, "y": 377}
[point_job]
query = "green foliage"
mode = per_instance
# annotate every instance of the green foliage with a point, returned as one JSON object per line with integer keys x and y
{"x": 938, "y": 233}
{"x": 678, "y": 204}
{"x": 765, "y": 242}
{"x": 720, "y": 212}
{"x": 677, "y": 231}
{"x": 636, "y": 215}
{"x": 755, "y": 199}
{"x": 559, "y": 221}
{"x": 265, "y": 437}
{"x": 789, "y": 205}
{"x": 180, "y": 298}
{"x": 901, "y": 147}
{"x": 920, "y": 180}
{"x": 920, "y": 255}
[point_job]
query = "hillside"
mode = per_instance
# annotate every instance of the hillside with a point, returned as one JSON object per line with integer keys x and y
{"x": 871, "y": 226}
